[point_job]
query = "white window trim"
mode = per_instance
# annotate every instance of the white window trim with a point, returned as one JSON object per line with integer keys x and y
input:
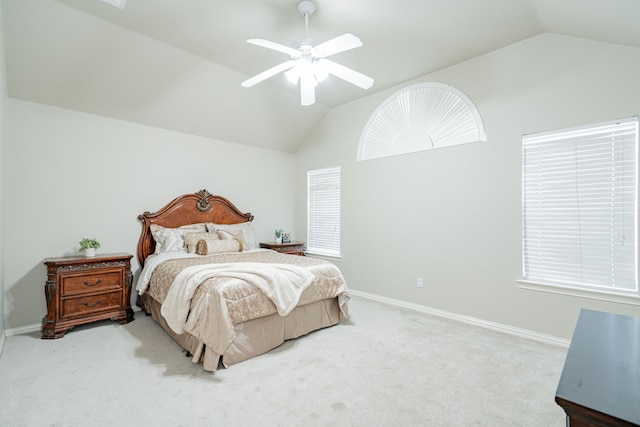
{"x": 323, "y": 256}
{"x": 599, "y": 295}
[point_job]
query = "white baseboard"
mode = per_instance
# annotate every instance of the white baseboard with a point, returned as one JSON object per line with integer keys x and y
{"x": 523, "y": 333}
{"x": 23, "y": 330}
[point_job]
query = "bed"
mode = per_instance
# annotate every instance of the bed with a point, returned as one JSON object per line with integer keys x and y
{"x": 219, "y": 296}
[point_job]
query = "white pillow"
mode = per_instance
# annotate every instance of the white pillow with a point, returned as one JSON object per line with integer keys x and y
{"x": 237, "y": 235}
{"x": 246, "y": 228}
{"x": 171, "y": 239}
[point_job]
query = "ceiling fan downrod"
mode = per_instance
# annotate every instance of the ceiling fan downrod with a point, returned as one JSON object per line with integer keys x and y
{"x": 306, "y": 9}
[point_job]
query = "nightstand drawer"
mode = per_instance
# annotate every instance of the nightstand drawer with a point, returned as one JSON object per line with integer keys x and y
{"x": 286, "y": 249}
{"x": 89, "y": 304}
{"x": 82, "y": 284}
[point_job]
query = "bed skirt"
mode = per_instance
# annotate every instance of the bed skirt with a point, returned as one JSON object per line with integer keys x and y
{"x": 253, "y": 337}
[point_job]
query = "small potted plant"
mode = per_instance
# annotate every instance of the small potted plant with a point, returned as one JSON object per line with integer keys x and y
{"x": 286, "y": 237}
{"x": 278, "y": 235}
{"x": 89, "y": 246}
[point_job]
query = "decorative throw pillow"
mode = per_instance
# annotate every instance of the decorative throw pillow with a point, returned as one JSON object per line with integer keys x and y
{"x": 246, "y": 227}
{"x": 208, "y": 247}
{"x": 191, "y": 239}
{"x": 234, "y": 235}
{"x": 170, "y": 239}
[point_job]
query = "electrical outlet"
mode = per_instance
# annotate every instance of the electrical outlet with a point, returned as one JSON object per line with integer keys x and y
{"x": 419, "y": 282}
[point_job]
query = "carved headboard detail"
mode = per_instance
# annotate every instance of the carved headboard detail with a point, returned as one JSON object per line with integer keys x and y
{"x": 187, "y": 209}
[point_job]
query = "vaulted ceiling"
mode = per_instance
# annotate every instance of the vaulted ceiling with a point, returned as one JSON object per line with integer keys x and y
{"x": 179, "y": 64}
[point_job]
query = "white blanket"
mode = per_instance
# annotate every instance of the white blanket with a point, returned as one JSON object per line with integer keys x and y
{"x": 281, "y": 283}
{"x": 152, "y": 262}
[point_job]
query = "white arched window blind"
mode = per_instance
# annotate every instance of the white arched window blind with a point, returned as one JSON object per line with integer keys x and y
{"x": 420, "y": 117}
{"x": 323, "y": 211}
{"x": 580, "y": 206}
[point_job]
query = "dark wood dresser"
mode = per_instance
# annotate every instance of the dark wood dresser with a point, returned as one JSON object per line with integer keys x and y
{"x": 600, "y": 381}
{"x": 292, "y": 248}
{"x": 83, "y": 289}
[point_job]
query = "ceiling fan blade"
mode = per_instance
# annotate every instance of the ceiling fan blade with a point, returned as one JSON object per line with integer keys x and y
{"x": 275, "y": 46}
{"x": 339, "y": 44}
{"x": 353, "y": 77}
{"x": 307, "y": 89}
{"x": 268, "y": 73}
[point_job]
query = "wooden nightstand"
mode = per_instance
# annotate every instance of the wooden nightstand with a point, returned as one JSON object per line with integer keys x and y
{"x": 83, "y": 289}
{"x": 293, "y": 248}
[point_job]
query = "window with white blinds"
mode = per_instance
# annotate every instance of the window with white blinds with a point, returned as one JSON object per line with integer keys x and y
{"x": 579, "y": 207}
{"x": 323, "y": 211}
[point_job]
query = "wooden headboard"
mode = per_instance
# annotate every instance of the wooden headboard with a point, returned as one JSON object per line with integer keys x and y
{"x": 187, "y": 209}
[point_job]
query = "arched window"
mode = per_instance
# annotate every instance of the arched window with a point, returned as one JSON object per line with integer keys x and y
{"x": 420, "y": 117}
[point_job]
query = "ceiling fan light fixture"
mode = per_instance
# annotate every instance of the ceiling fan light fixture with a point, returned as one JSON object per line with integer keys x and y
{"x": 320, "y": 72}
{"x": 293, "y": 75}
{"x": 311, "y": 69}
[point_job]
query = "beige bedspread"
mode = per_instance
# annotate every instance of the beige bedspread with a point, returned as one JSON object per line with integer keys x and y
{"x": 219, "y": 303}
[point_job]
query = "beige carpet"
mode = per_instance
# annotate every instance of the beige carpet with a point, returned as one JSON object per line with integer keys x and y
{"x": 387, "y": 366}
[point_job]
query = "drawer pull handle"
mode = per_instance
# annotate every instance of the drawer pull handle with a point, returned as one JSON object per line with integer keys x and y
{"x": 86, "y": 304}
{"x": 86, "y": 283}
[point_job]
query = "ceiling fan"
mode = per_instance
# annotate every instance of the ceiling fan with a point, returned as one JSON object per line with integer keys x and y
{"x": 308, "y": 63}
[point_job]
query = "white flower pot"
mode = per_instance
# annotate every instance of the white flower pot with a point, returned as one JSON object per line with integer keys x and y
{"x": 89, "y": 252}
{"x": 278, "y": 239}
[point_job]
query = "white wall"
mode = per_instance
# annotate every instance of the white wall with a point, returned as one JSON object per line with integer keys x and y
{"x": 453, "y": 215}
{"x": 3, "y": 135}
{"x": 72, "y": 175}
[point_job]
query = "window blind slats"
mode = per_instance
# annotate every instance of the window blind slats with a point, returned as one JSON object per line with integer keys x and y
{"x": 323, "y": 211}
{"x": 579, "y": 206}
